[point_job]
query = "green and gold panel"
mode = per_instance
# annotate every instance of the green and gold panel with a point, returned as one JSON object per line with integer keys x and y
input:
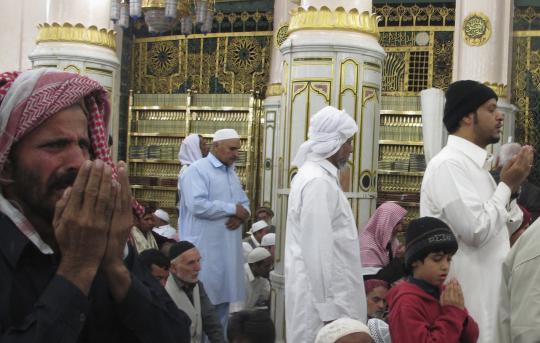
{"x": 526, "y": 88}
{"x": 212, "y": 63}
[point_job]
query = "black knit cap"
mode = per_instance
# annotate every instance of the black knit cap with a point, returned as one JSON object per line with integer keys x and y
{"x": 462, "y": 98}
{"x": 179, "y": 248}
{"x": 426, "y": 235}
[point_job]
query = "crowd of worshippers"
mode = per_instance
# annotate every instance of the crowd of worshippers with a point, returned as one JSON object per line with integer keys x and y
{"x": 83, "y": 261}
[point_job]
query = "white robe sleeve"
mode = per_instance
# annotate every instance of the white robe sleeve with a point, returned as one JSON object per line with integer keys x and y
{"x": 318, "y": 200}
{"x": 474, "y": 220}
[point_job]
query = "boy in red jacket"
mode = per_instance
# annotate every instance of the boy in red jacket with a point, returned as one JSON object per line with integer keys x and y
{"x": 421, "y": 308}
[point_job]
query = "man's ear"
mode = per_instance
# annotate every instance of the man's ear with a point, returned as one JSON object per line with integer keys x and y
{"x": 468, "y": 119}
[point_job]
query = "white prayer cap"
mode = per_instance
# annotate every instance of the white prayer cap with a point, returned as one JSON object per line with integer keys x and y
{"x": 328, "y": 130}
{"x": 258, "y": 254}
{"x": 268, "y": 240}
{"x": 162, "y": 215}
{"x": 261, "y": 224}
{"x": 340, "y": 328}
{"x": 223, "y": 134}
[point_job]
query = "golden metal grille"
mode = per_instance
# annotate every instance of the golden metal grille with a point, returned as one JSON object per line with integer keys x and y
{"x": 214, "y": 63}
{"x": 526, "y": 81}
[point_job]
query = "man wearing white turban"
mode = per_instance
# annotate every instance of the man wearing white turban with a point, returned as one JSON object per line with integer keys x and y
{"x": 192, "y": 149}
{"x": 322, "y": 254}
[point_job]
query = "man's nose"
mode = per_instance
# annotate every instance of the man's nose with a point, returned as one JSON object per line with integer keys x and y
{"x": 75, "y": 156}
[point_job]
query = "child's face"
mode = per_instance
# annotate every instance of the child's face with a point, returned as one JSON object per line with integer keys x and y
{"x": 433, "y": 269}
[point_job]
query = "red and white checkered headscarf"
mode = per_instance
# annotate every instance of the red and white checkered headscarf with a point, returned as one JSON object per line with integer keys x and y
{"x": 28, "y": 99}
{"x": 378, "y": 233}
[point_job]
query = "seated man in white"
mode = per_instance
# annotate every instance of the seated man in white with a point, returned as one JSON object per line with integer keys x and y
{"x": 162, "y": 226}
{"x": 188, "y": 293}
{"x": 256, "y": 234}
{"x": 257, "y": 269}
{"x": 269, "y": 242}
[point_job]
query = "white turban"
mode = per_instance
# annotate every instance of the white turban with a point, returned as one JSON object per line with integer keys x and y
{"x": 190, "y": 150}
{"x": 340, "y": 328}
{"x": 328, "y": 130}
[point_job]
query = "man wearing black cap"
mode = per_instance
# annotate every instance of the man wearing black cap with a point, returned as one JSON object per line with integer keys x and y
{"x": 188, "y": 293}
{"x": 458, "y": 189}
{"x": 421, "y": 308}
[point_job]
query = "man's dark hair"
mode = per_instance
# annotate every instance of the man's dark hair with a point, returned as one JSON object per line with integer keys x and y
{"x": 251, "y": 327}
{"x": 148, "y": 210}
{"x": 153, "y": 256}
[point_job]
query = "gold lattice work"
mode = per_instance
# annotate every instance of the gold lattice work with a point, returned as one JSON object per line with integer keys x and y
{"x": 415, "y": 15}
{"x": 526, "y": 82}
{"x": 213, "y": 63}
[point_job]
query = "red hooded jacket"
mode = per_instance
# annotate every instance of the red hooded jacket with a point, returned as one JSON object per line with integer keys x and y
{"x": 417, "y": 317}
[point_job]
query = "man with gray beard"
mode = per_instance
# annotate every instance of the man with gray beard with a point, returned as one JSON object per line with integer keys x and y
{"x": 322, "y": 254}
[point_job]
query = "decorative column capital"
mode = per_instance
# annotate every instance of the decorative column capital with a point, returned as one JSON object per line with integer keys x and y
{"x": 500, "y": 89}
{"x": 339, "y": 19}
{"x": 77, "y": 33}
{"x": 274, "y": 89}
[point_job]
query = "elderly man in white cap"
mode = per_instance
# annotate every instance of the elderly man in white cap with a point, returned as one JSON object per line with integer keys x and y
{"x": 344, "y": 330}
{"x": 269, "y": 242}
{"x": 256, "y": 233}
{"x": 322, "y": 253}
{"x": 257, "y": 269}
{"x": 213, "y": 207}
{"x": 162, "y": 226}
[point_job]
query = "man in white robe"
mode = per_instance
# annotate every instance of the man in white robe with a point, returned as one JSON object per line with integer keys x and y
{"x": 458, "y": 189}
{"x": 162, "y": 226}
{"x": 323, "y": 280}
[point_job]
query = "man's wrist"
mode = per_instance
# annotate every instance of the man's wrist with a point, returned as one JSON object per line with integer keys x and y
{"x": 80, "y": 275}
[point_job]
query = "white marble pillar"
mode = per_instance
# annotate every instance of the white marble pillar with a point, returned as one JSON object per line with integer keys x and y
{"x": 483, "y": 50}
{"x": 272, "y": 103}
{"x": 78, "y": 36}
{"x": 331, "y": 57}
{"x": 19, "y": 19}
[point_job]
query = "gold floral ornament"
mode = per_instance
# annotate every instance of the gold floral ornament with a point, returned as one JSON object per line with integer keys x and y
{"x": 339, "y": 19}
{"x": 243, "y": 55}
{"x": 163, "y": 58}
{"x": 281, "y": 34}
{"x": 476, "y": 29}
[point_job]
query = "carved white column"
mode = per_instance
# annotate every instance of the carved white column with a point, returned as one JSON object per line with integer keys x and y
{"x": 331, "y": 57}
{"x": 272, "y": 103}
{"x": 78, "y": 36}
{"x": 483, "y": 50}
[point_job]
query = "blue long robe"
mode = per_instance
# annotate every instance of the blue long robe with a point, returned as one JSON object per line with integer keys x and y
{"x": 209, "y": 193}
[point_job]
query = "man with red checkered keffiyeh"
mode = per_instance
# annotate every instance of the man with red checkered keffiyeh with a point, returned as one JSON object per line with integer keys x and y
{"x": 65, "y": 215}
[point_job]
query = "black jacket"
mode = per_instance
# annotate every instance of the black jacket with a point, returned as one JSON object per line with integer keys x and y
{"x": 36, "y": 305}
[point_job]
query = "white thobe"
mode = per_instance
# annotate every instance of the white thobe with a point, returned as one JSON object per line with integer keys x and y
{"x": 458, "y": 189}
{"x": 166, "y": 231}
{"x": 210, "y": 193}
{"x": 519, "y": 313}
{"x": 323, "y": 280}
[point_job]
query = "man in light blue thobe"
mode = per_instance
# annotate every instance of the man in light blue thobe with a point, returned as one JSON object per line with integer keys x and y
{"x": 213, "y": 207}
